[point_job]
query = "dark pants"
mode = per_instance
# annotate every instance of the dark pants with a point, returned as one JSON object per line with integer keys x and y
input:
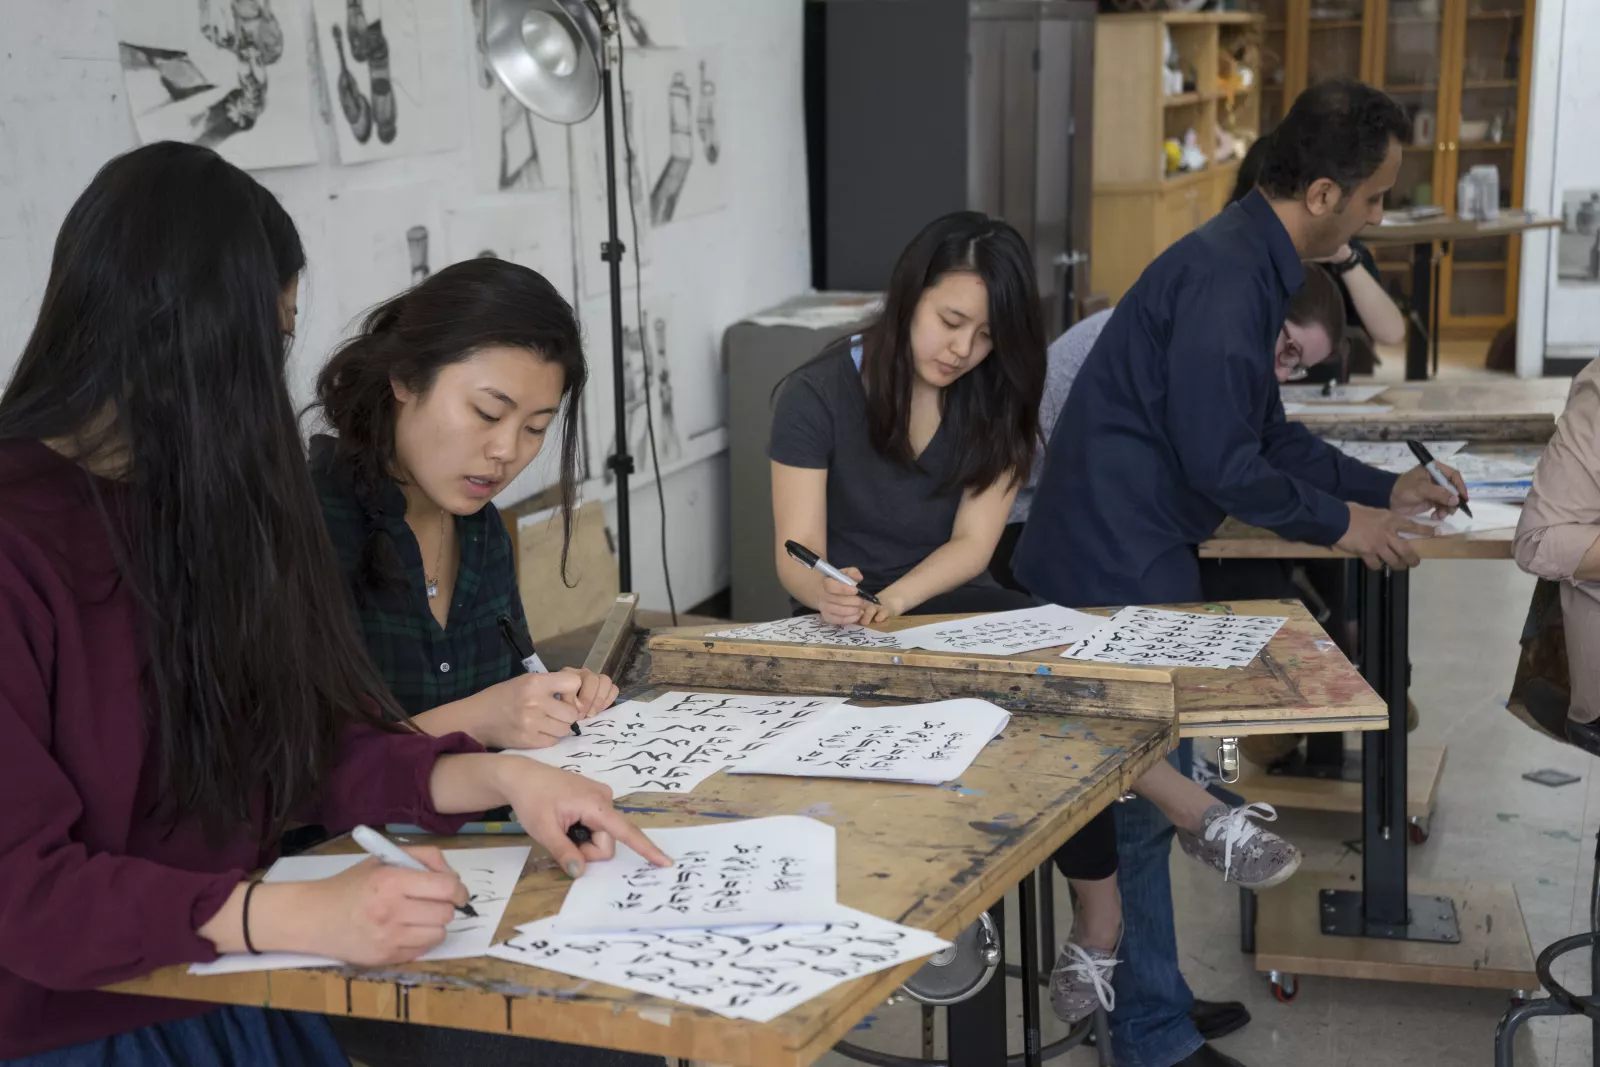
{"x": 384, "y": 1044}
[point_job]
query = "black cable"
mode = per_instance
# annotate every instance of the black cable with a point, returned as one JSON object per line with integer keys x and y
{"x": 644, "y": 345}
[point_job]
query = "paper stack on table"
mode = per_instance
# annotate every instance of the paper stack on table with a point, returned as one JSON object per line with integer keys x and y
{"x": 1296, "y": 408}
{"x": 926, "y": 744}
{"x": 1157, "y": 638}
{"x": 490, "y": 875}
{"x": 998, "y": 633}
{"x": 1486, "y": 515}
{"x": 1394, "y": 456}
{"x": 673, "y": 743}
{"x": 745, "y": 924}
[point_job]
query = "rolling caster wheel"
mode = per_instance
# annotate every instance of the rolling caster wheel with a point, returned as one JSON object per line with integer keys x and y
{"x": 1417, "y": 831}
{"x": 1285, "y": 987}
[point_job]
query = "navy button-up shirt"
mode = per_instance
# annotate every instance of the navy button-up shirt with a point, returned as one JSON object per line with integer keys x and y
{"x": 1175, "y": 422}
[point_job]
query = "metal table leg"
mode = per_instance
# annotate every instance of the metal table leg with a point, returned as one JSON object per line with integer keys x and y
{"x": 1423, "y": 325}
{"x": 1383, "y": 907}
{"x": 1027, "y": 937}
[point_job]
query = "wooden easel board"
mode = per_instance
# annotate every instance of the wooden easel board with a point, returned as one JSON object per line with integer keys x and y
{"x": 1301, "y": 683}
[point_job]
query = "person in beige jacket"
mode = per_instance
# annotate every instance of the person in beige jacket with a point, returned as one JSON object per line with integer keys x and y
{"x": 1558, "y": 537}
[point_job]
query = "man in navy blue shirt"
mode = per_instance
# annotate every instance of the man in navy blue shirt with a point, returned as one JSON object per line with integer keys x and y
{"x": 1175, "y": 423}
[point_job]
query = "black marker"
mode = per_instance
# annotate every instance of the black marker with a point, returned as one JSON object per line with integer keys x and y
{"x": 1425, "y": 458}
{"x": 811, "y": 561}
{"x": 509, "y": 632}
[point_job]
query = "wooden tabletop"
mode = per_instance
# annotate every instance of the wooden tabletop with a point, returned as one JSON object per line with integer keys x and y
{"x": 1235, "y": 540}
{"x": 1453, "y": 228}
{"x": 1301, "y": 683}
{"x": 929, "y": 857}
{"x": 1512, "y": 410}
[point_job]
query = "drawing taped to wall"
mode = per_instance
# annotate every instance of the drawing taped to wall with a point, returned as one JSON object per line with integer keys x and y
{"x": 383, "y": 241}
{"x": 229, "y": 74}
{"x": 681, "y": 143}
{"x": 653, "y": 23}
{"x": 514, "y": 151}
{"x": 391, "y": 62}
{"x": 535, "y": 232}
{"x": 1578, "y": 249}
{"x": 648, "y": 357}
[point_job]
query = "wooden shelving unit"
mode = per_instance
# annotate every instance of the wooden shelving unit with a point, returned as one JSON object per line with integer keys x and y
{"x": 1457, "y": 60}
{"x": 1138, "y": 208}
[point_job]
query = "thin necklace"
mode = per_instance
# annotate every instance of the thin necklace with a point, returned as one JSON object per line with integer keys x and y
{"x": 438, "y": 559}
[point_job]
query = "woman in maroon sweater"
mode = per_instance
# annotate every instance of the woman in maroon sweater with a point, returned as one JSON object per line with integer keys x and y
{"x": 175, "y": 687}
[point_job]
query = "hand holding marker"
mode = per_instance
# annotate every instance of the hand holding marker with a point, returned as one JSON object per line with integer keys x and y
{"x": 1425, "y": 458}
{"x": 811, "y": 561}
{"x": 391, "y": 854}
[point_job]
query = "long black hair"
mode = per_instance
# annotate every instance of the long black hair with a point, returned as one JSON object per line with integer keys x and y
{"x": 468, "y": 306}
{"x": 996, "y": 403}
{"x": 159, "y": 346}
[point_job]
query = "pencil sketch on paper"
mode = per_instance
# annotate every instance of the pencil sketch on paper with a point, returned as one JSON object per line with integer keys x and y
{"x": 382, "y": 241}
{"x": 653, "y": 23}
{"x": 647, "y": 378}
{"x": 682, "y": 137}
{"x": 514, "y": 151}
{"x": 389, "y": 62}
{"x": 226, "y": 74}
{"x": 589, "y": 178}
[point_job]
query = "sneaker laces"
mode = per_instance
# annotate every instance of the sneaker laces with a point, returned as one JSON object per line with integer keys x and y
{"x": 1235, "y": 828}
{"x": 1093, "y": 970}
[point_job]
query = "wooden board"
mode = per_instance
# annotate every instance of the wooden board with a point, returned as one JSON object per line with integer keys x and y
{"x": 928, "y": 857}
{"x": 1302, "y": 683}
{"x": 1235, "y": 540}
{"x": 1424, "y": 769}
{"x": 1454, "y": 228}
{"x": 1503, "y": 410}
{"x": 1494, "y": 952}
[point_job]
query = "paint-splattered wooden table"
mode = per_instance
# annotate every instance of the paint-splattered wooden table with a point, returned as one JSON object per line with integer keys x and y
{"x": 1507, "y": 410}
{"x": 935, "y": 858}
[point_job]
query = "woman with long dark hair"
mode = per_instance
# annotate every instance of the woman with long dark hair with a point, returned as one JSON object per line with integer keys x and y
{"x": 176, "y": 688}
{"x": 897, "y": 455}
{"x": 444, "y": 395}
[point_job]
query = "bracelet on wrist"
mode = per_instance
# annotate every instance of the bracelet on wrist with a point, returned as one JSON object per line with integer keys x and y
{"x": 245, "y": 919}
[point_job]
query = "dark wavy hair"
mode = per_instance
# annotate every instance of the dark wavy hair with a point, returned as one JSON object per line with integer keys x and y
{"x": 1320, "y": 302}
{"x": 996, "y": 403}
{"x": 467, "y": 306}
{"x": 159, "y": 345}
{"x": 1338, "y": 129}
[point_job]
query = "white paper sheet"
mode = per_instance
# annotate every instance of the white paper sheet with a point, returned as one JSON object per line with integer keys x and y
{"x": 683, "y": 132}
{"x": 1155, "y": 638}
{"x": 1394, "y": 456}
{"x": 921, "y": 743}
{"x": 1514, "y": 491}
{"x": 1486, "y": 515}
{"x": 782, "y": 869}
{"x": 1494, "y": 468}
{"x": 811, "y": 630}
{"x": 1004, "y": 632}
{"x": 845, "y": 309}
{"x": 653, "y": 24}
{"x": 1339, "y": 394}
{"x": 1336, "y": 409}
{"x": 234, "y": 76}
{"x": 490, "y": 875}
{"x": 756, "y": 973}
{"x": 673, "y": 744}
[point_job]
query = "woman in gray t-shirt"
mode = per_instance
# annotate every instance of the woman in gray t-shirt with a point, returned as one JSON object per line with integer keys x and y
{"x": 897, "y": 453}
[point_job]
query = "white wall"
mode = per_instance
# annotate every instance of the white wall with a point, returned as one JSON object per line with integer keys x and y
{"x": 1559, "y": 320}
{"x": 63, "y": 113}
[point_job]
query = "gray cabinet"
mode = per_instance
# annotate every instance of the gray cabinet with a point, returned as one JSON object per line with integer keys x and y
{"x": 916, "y": 108}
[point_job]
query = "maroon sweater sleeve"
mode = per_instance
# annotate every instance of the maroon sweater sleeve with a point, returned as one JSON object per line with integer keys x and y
{"x": 384, "y": 777}
{"x": 72, "y": 919}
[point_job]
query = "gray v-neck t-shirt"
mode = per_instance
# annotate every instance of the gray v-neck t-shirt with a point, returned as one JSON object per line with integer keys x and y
{"x": 883, "y": 517}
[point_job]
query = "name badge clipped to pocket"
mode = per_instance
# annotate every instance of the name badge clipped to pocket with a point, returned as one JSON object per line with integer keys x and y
{"x": 534, "y": 665}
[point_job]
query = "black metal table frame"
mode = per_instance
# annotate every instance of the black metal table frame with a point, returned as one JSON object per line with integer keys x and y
{"x": 1422, "y": 340}
{"x": 1383, "y": 907}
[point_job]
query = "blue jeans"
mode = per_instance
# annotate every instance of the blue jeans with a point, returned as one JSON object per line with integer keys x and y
{"x": 1151, "y": 1026}
{"x": 246, "y": 1037}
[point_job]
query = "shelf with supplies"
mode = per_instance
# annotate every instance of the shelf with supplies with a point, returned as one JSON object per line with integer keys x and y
{"x": 1458, "y": 71}
{"x": 1185, "y": 88}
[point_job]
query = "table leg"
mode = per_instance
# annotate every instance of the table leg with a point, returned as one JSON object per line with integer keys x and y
{"x": 1422, "y": 322}
{"x": 1027, "y": 937}
{"x": 975, "y": 1029}
{"x": 1433, "y": 320}
{"x": 1383, "y": 907}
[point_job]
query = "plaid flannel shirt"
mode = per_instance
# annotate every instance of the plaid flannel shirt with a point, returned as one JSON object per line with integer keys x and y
{"x": 425, "y": 665}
